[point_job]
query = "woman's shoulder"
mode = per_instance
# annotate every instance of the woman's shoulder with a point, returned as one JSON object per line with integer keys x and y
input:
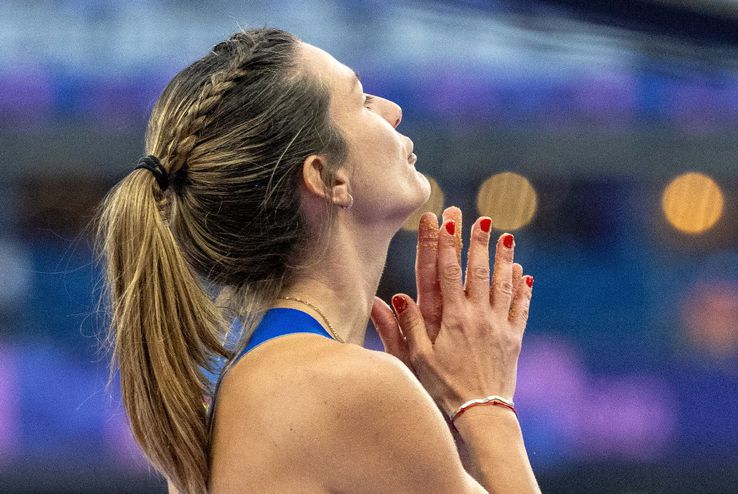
{"x": 286, "y": 405}
{"x": 303, "y": 361}
{"x": 337, "y": 422}
{"x": 299, "y": 381}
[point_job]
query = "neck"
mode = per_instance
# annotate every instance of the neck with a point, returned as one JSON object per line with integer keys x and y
{"x": 342, "y": 284}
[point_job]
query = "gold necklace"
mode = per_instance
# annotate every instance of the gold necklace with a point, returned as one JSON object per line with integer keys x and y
{"x": 330, "y": 326}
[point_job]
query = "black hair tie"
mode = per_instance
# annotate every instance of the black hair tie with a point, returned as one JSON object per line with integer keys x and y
{"x": 152, "y": 164}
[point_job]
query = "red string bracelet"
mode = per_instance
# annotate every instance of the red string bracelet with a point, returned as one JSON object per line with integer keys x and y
{"x": 489, "y": 400}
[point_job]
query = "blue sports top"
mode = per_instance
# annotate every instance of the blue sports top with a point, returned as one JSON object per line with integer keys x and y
{"x": 278, "y": 321}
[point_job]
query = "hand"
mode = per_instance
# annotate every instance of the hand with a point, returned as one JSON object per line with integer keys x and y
{"x": 478, "y": 325}
{"x": 428, "y": 287}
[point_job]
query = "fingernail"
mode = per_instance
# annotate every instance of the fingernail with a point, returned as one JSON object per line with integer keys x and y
{"x": 451, "y": 227}
{"x": 507, "y": 241}
{"x": 485, "y": 224}
{"x": 399, "y": 304}
{"x": 529, "y": 281}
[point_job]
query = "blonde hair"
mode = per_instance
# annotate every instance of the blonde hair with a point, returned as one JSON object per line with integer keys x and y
{"x": 232, "y": 131}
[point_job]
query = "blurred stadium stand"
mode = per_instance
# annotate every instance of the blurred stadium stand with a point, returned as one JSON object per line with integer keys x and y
{"x": 629, "y": 373}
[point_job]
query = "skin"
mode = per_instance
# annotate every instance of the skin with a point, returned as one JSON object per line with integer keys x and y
{"x": 290, "y": 387}
{"x": 385, "y": 187}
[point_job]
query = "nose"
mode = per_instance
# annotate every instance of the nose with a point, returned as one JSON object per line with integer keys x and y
{"x": 396, "y": 117}
{"x": 390, "y": 111}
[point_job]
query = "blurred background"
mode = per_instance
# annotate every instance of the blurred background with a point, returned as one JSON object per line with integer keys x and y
{"x": 604, "y": 134}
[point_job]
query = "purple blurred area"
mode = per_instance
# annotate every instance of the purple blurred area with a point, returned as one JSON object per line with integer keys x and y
{"x": 628, "y": 380}
{"x": 36, "y": 97}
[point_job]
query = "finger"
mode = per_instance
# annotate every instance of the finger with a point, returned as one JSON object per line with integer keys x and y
{"x": 411, "y": 323}
{"x": 520, "y": 307}
{"x": 389, "y": 331}
{"x": 502, "y": 287}
{"x": 517, "y": 275}
{"x": 449, "y": 270}
{"x": 426, "y": 271}
{"x": 517, "y": 278}
{"x": 477, "y": 262}
{"x": 452, "y": 213}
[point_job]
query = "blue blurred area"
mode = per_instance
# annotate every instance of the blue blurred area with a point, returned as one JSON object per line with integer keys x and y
{"x": 629, "y": 370}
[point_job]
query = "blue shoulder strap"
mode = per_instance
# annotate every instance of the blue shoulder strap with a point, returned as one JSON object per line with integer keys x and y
{"x": 281, "y": 321}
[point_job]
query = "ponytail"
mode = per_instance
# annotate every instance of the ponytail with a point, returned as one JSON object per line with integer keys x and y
{"x": 164, "y": 331}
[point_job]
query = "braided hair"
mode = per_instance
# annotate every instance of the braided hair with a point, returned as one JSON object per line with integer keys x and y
{"x": 184, "y": 135}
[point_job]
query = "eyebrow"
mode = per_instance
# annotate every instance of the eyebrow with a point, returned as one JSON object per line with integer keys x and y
{"x": 357, "y": 80}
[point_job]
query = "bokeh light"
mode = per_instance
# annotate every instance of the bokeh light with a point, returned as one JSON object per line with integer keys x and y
{"x": 509, "y": 199}
{"x": 709, "y": 315}
{"x": 693, "y": 202}
{"x": 434, "y": 204}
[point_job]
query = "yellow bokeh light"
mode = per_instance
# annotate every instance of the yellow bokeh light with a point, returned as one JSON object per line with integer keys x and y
{"x": 434, "y": 205}
{"x": 509, "y": 199}
{"x": 693, "y": 202}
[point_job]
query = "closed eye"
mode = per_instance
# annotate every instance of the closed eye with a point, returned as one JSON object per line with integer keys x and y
{"x": 368, "y": 99}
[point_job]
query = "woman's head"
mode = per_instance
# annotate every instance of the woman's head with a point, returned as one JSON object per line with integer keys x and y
{"x": 233, "y": 130}
{"x": 261, "y": 140}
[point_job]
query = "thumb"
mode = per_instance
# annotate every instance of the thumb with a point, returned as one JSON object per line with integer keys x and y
{"x": 388, "y": 330}
{"x": 412, "y": 324}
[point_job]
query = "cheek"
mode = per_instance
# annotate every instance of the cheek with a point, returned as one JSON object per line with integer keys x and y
{"x": 382, "y": 141}
{"x": 374, "y": 139}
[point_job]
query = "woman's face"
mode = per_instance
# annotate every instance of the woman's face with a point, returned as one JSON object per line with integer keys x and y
{"x": 384, "y": 182}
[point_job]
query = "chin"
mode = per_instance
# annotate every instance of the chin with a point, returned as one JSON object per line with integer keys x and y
{"x": 422, "y": 196}
{"x": 426, "y": 189}
{"x": 401, "y": 205}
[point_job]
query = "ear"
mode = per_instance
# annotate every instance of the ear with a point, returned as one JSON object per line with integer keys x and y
{"x": 313, "y": 169}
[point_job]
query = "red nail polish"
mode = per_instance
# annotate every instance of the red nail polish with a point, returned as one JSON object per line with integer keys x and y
{"x": 399, "y": 304}
{"x": 507, "y": 241}
{"x": 451, "y": 227}
{"x": 529, "y": 281}
{"x": 485, "y": 224}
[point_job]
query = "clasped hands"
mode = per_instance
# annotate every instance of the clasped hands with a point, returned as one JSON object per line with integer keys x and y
{"x": 461, "y": 342}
